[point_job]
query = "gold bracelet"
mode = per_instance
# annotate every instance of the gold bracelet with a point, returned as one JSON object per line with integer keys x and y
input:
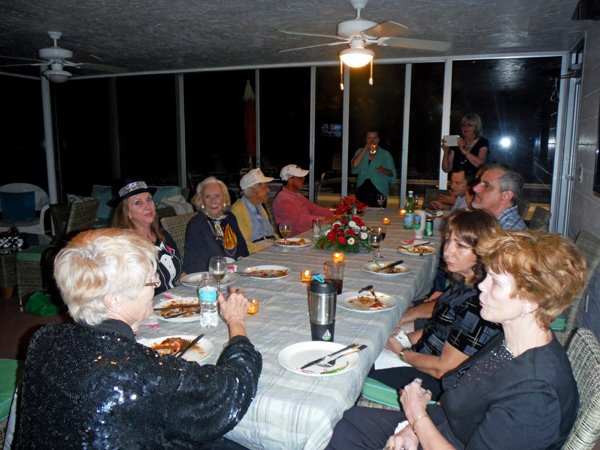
{"x": 415, "y": 422}
{"x": 401, "y": 353}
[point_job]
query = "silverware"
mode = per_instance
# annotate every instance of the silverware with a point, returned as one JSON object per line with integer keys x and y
{"x": 366, "y": 288}
{"x": 331, "y": 362}
{"x": 373, "y": 294}
{"x": 175, "y": 307}
{"x": 389, "y": 266}
{"x": 328, "y": 356}
{"x": 180, "y": 353}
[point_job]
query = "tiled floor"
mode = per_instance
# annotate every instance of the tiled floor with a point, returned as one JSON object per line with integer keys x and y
{"x": 17, "y": 327}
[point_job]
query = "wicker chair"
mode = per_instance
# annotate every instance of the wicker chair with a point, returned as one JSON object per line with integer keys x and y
{"x": 176, "y": 227}
{"x": 269, "y": 208}
{"x": 540, "y": 220}
{"x": 523, "y": 208}
{"x": 584, "y": 354}
{"x": 589, "y": 245}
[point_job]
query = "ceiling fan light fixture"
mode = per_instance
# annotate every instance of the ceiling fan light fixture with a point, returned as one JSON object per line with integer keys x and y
{"x": 356, "y": 57}
{"x": 56, "y": 74}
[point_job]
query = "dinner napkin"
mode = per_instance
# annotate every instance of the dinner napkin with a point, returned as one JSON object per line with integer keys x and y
{"x": 414, "y": 242}
{"x": 388, "y": 359}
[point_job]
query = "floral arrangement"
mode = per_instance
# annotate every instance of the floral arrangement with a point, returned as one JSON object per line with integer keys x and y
{"x": 348, "y": 204}
{"x": 348, "y": 234}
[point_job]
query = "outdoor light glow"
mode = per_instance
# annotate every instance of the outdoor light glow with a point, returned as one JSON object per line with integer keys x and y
{"x": 505, "y": 142}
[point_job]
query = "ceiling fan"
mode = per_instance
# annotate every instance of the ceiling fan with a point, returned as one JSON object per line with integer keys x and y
{"x": 56, "y": 58}
{"x": 359, "y": 33}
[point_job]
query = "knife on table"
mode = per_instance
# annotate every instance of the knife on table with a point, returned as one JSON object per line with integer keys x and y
{"x": 389, "y": 266}
{"x": 194, "y": 342}
{"x": 328, "y": 356}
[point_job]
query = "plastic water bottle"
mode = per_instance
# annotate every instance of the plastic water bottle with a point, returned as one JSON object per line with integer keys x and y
{"x": 409, "y": 215}
{"x": 207, "y": 293}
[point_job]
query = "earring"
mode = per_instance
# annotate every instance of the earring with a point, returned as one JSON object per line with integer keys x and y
{"x": 202, "y": 206}
{"x": 523, "y": 313}
{"x": 224, "y": 205}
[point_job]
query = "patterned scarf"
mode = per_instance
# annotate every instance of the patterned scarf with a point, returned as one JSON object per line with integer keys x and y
{"x": 224, "y": 234}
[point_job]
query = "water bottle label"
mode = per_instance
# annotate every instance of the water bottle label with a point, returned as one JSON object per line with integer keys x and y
{"x": 417, "y": 222}
{"x": 408, "y": 220}
{"x": 208, "y": 295}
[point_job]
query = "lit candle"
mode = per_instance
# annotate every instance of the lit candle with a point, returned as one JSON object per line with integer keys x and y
{"x": 338, "y": 256}
{"x": 386, "y": 220}
{"x": 305, "y": 275}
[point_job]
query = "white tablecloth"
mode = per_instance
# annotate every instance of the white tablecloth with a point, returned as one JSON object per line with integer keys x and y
{"x": 293, "y": 411}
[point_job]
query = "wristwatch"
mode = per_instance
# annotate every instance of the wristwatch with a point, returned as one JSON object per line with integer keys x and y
{"x": 401, "y": 354}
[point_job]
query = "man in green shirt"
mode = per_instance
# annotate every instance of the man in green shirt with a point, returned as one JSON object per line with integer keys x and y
{"x": 375, "y": 169}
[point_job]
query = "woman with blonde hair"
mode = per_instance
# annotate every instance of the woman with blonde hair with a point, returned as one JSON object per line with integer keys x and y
{"x": 135, "y": 210}
{"x": 518, "y": 391}
{"x": 91, "y": 385}
{"x": 214, "y": 231}
{"x": 472, "y": 149}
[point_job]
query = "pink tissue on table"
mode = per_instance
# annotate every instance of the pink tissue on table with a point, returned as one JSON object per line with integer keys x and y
{"x": 409, "y": 242}
{"x": 232, "y": 268}
{"x": 169, "y": 297}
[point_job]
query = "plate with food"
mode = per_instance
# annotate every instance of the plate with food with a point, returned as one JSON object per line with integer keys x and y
{"x": 167, "y": 345}
{"x": 400, "y": 269}
{"x": 268, "y": 272}
{"x": 366, "y": 303}
{"x": 295, "y": 356}
{"x": 416, "y": 249}
{"x": 193, "y": 279}
{"x": 178, "y": 310}
{"x": 294, "y": 243}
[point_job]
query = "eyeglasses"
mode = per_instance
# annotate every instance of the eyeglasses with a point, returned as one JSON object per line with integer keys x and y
{"x": 153, "y": 283}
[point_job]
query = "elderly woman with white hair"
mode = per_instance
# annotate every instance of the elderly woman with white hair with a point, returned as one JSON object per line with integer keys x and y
{"x": 214, "y": 231}
{"x": 90, "y": 385}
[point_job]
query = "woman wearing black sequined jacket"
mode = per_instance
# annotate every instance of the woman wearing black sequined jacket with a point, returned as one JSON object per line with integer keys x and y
{"x": 90, "y": 385}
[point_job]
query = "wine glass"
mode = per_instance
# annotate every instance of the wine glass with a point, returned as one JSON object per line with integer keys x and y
{"x": 217, "y": 269}
{"x": 285, "y": 230}
{"x": 381, "y": 201}
{"x": 375, "y": 242}
{"x": 380, "y": 230}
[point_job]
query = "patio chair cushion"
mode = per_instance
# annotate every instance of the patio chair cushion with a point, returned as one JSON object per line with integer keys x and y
{"x": 10, "y": 372}
{"x": 74, "y": 198}
{"x": 18, "y": 205}
{"x": 104, "y": 193}
{"x": 378, "y": 392}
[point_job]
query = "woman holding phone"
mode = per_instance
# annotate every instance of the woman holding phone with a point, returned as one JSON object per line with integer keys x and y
{"x": 471, "y": 150}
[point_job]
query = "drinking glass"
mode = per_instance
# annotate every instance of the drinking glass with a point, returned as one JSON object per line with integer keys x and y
{"x": 217, "y": 269}
{"x": 375, "y": 242}
{"x": 382, "y": 231}
{"x": 285, "y": 230}
{"x": 381, "y": 201}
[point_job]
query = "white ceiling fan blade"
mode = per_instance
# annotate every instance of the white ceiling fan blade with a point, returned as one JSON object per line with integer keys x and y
{"x": 23, "y": 65}
{"x": 311, "y": 46}
{"x": 21, "y": 59}
{"x": 315, "y": 35}
{"x": 103, "y": 67}
{"x": 385, "y": 29}
{"x": 417, "y": 44}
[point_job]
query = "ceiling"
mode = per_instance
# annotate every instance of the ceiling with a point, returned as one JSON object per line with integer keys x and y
{"x": 161, "y": 35}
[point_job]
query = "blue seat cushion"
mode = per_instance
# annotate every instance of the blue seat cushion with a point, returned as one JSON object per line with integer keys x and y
{"x": 18, "y": 205}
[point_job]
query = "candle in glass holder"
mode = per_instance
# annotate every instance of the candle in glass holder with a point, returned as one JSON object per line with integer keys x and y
{"x": 305, "y": 275}
{"x": 338, "y": 256}
{"x": 253, "y": 309}
{"x": 386, "y": 220}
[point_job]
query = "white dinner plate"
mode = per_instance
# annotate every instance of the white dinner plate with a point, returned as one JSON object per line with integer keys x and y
{"x": 199, "y": 352}
{"x": 371, "y": 267}
{"x": 271, "y": 269}
{"x": 280, "y": 243}
{"x": 348, "y": 302}
{"x": 296, "y": 355}
{"x": 175, "y": 302}
{"x": 193, "y": 279}
{"x": 416, "y": 250}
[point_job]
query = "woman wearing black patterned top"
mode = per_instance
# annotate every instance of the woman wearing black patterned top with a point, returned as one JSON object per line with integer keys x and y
{"x": 472, "y": 149}
{"x": 455, "y": 329}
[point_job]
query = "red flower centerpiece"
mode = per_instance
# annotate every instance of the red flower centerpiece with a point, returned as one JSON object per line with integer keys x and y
{"x": 350, "y": 205}
{"x": 348, "y": 234}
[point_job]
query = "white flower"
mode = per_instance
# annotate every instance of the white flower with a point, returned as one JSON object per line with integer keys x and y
{"x": 363, "y": 227}
{"x": 352, "y": 224}
{"x": 351, "y": 241}
{"x": 364, "y": 236}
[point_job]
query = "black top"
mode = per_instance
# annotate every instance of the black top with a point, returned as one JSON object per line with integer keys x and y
{"x": 461, "y": 162}
{"x": 93, "y": 387}
{"x": 169, "y": 263}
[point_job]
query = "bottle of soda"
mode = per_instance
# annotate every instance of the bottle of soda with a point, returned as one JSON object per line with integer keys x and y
{"x": 207, "y": 293}
{"x": 409, "y": 215}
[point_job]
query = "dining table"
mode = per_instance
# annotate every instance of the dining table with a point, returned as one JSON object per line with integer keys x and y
{"x": 296, "y": 411}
